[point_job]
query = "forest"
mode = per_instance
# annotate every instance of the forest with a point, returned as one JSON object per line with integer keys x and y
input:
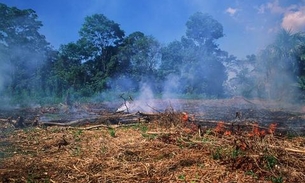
{"x": 82, "y": 112}
{"x": 105, "y": 62}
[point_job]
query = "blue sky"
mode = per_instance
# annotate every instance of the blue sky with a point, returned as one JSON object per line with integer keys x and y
{"x": 249, "y": 25}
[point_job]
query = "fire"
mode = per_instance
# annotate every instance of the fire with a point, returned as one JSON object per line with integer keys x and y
{"x": 185, "y": 117}
{"x": 228, "y": 133}
{"x": 261, "y": 133}
{"x": 255, "y": 130}
{"x": 220, "y": 127}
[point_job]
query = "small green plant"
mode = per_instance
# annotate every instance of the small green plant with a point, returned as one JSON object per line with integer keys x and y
{"x": 149, "y": 136}
{"x": 181, "y": 177}
{"x": 143, "y": 128}
{"x": 291, "y": 135}
{"x": 271, "y": 161}
{"x": 277, "y": 179}
{"x": 112, "y": 132}
{"x": 236, "y": 153}
{"x": 77, "y": 151}
{"x": 77, "y": 134}
{"x": 217, "y": 154}
{"x": 208, "y": 132}
{"x": 250, "y": 172}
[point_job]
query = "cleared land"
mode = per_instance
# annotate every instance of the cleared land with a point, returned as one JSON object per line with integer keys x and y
{"x": 162, "y": 148}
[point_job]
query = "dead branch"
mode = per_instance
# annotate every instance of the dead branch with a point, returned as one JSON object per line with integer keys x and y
{"x": 288, "y": 149}
{"x": 71, "y": 123}
{"x": 116, "y": 118}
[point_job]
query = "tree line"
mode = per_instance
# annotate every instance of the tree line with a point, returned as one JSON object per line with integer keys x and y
{"x": 105, "y": 59}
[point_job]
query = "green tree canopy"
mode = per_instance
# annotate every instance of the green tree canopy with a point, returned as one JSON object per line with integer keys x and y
{"x": 138, "y": 58}
{"x": 100, "y": 38}
{"x": 25, "y": 48}
{"x": 196, "y": 59}
{"x": 100, "y": 33}
{"x": 203, "y": 29}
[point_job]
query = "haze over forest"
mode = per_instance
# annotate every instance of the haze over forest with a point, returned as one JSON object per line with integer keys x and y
{"x": 107, "y": 60}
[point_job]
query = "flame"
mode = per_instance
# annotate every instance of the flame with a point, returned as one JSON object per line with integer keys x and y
{"x": 255, "y": 130}
{"x": 262, "y": 133}
{"x": 220, "y": 127}
{"x": 185, "y": 117}
{"x": 228, "y": 133}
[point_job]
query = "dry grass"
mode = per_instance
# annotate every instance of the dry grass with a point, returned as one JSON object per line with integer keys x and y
{"x": 151, "y": 152}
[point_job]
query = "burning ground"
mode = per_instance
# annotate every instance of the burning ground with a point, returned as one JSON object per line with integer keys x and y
{"x": 240, "y": 140}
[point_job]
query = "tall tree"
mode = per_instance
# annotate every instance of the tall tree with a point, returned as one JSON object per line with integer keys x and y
{"x": 203, "y": 29}
{"x": 241, "y": 81}
{"x": 278, "y": 66}
{"x": 172, "y": 58}
{"x": 25, "y": 48}
{"x": 199, "y": 61}
{"x": 100, "y": 38}
{"x": 69, "y": 68}
{"x": 138, "y": 57}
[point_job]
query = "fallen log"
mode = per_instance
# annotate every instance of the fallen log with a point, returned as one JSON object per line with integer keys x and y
{"x": 4, "y": 120}
{"x": 112, "y": 119}
{"x": 104, "y": 126}
{"x": 71, "y": 123}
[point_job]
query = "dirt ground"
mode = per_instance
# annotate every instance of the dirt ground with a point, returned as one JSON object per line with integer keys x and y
{"x": 164, "y": 149}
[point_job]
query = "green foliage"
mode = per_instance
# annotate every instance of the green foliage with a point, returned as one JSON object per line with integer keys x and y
{"x": 77, "y": 151}
{"x": 103, "y": 60}
{"x": 181, "y": 177}
{"x": 6, "y": 149}
{"x": 138, "y": 57}
{"x": 278, "y": 67}
{"x": 195, "y": 63}
{"x": 112, "y": 132}
{"x": 253, "y": 174}
{"x": 271, "y": 161}
{"x": 277, "y": 72}
{"x": 23, "y": 51}
{"x": 77, "y": 135}
{"x": 278, "y": 179}
{"x": 102, "y": 55}
{"x": 204, "y": 30}
{"x": 236, "y": 153}
{"x": 217, "y": 154}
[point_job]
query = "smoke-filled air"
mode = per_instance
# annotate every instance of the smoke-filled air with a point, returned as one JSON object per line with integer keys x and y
{"x": 211, "y": 55}
{"x": 152, "y": 91}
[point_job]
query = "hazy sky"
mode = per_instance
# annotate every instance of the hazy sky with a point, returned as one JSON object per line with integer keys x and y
{"x": 248, "y": 24}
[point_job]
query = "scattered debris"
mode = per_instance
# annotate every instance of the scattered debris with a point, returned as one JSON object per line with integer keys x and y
{"x": 165, "y": 146}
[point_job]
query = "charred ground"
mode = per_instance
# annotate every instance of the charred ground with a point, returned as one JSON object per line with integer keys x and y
{"x": 100, "y": 145}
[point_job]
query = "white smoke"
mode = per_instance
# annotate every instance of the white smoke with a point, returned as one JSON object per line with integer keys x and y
{"x": 145, "y": 102}
{"x": 4, "y": 71}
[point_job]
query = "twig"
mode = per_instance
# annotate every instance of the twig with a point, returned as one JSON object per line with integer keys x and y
{"x": 153, "y": 108}
{"x": 160, "y": 133}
